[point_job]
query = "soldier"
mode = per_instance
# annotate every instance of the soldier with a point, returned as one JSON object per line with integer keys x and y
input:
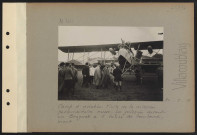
{"x": 60, "y": 77}
{"x": 75, "y": 76}
{"x": 68, "y": 79}
{"x": 118, "y": 77}
{"x": 105, "y": 77}
{"x": 86, "y": 75}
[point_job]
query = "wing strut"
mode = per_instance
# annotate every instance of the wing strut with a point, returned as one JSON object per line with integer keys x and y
{"x": 68, "y": 54}
{"x": 83, "y": 56}
{"x": 73, "y": 56}
{"x": 104, "y": 57}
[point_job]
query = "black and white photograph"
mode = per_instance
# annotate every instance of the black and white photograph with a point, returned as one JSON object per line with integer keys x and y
{"x": 110, "y": 63}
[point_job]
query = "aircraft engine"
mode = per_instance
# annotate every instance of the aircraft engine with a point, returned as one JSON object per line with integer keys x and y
{"x": 112, "y": 51}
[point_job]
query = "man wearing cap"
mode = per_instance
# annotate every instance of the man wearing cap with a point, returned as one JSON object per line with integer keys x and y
{"x": 86, "y": 75}
{"x": 68, "y": 79}
{"x": 98, "y": 76}
{"x": 105, "y": 77}
{"x": 117, "y": 77}
{"x": 111, "y": 69}
{"x": 75, "y": 78}
{"x": 60, "y": 77}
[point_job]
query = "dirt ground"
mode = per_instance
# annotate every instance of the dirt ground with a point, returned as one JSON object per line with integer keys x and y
{"x": 149, "y": 90}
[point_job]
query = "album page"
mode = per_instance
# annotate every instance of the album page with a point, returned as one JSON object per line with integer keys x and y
{"x": 154, "y": 95}
{"x": 104, "y": 67}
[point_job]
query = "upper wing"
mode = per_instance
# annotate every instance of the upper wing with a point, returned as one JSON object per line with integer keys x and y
{"x": 105, "y": 47}
{"x": 88, "y": 48}
{"x": 144, "y": 45}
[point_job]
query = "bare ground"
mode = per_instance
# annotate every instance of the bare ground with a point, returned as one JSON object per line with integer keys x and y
{"x": 149, "y": 90}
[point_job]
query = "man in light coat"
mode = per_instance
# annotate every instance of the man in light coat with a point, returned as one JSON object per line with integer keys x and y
{"x": 97, "y": 76}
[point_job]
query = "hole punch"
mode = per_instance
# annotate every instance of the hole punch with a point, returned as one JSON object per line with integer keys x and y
{"x": 7, "y": 90}
{"x": 8, "y": 103}
{"x": 7, "y": 46}
{"x": 7, "y": 33}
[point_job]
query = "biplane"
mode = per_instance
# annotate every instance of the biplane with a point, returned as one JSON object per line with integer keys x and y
{"x": 129, "y": 61}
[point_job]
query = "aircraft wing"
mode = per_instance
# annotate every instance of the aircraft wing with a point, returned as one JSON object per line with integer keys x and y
{"x": 144, "y": 45}
{"x": 105, "y": 47}
{"x": 88, "y": 48}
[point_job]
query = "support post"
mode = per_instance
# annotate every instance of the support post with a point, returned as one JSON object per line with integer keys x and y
{"x": 101, "y": 56}
{"x": 83, "y": 56}
{"x": 73, "y": 56}
{"x": 88, "y": 56}
{"x": 68, "y": 54}
{"x": 104, "y": 57}
{"x": 124, "y": 66}
{"x": 101, "y": 52}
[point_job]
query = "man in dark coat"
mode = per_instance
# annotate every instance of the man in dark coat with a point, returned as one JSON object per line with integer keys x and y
{"x": 118, "y": 77}
{"x": 86, "y": 75}
{"x": 60, "y": 77}
{"x": 105, "y": 77}
{"x": 75, "y": 76}
{"x": 68, "y": 79}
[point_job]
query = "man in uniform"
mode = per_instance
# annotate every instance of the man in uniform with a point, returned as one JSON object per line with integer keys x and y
{"x": 118, "y": 77}
{"x": 111, "y": 69}
{"x": 68, "y": 79}
{"x": 86, "y": 75}
{"x": 105, "y": 77}
{"x": 60, "y": 77}
{"x": 75, "y": 78}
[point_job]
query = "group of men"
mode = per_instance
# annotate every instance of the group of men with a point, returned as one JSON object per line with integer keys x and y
{"x": 102, "y": 76}
{"x": 67, "y": 78}
{"x": 99, "y": 75}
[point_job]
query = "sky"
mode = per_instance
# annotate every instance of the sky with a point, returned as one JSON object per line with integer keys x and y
{"x": 96, "y": 35}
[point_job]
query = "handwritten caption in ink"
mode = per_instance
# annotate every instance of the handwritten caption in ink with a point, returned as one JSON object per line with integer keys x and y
{"x": 71, "y": 113}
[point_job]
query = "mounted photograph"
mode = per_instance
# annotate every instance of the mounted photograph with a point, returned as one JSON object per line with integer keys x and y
{"x": 110, "y": 63}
